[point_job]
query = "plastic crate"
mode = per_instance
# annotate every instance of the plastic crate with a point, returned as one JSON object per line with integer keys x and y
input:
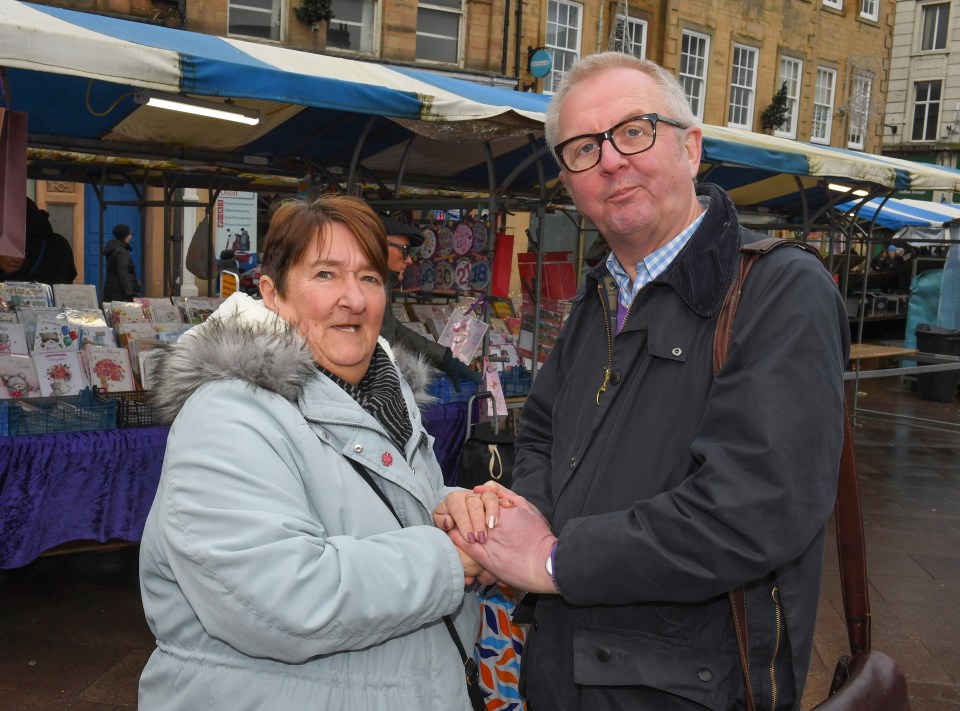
{"x": 134, "y": 409}
{"x": 515, "y": 382}
{"x": 5, "y": 416}
{"x": 442, "y": 389}
{"x": 63, "y": 414}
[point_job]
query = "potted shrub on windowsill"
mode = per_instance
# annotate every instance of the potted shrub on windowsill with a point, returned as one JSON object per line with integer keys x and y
{"x": 314, "y": 13}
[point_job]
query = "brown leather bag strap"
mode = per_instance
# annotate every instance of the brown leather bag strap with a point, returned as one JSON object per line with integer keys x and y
{"x": 851, "y": 550}
{"x": 849, "y": 518}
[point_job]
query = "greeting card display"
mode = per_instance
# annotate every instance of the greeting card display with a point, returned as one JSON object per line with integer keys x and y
{"x": 18, "y": 379}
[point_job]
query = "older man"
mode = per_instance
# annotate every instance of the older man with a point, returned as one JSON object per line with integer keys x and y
{"x": 645, "y": 487}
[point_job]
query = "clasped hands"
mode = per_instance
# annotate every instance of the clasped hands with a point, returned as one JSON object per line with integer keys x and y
{"x": 500, "y": 537}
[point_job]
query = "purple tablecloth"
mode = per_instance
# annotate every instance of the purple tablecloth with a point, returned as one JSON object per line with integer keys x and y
{"x": 95, "y": 486}
{"x": 99, "y": 486}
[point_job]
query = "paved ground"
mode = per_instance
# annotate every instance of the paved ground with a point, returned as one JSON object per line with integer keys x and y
{"x": 72, "y": 634}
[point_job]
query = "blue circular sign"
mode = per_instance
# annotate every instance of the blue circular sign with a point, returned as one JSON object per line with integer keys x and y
{"x": 541, "y": 62}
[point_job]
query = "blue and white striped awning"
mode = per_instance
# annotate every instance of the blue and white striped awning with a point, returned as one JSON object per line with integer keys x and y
{"x": 75, "y": 75}
{"x": 896, "y": 213}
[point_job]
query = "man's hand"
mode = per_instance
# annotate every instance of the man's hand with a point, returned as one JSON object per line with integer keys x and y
{"x": 516, "y": 550}
{"x": 457, "y": 370}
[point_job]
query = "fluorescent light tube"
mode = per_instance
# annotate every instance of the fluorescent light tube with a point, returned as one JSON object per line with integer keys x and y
{"x": 200, "y": 107}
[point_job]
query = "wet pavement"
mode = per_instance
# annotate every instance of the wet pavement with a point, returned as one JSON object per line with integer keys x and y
{"x": 72, "y": 634}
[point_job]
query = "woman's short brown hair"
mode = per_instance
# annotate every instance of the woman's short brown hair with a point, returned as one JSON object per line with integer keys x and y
{"x": 297, "y": 221}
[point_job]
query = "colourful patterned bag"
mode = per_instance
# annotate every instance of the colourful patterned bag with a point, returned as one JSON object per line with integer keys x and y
{"x": 499, "y": 648}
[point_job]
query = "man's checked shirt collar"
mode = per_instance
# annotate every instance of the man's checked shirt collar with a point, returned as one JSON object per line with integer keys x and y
{"x": 650, "y": 268}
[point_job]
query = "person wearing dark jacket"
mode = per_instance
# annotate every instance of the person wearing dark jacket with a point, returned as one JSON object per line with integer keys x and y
{"x": 121, "y": 282}
{"x": 401, "y": 239}
{"x": 645, "y": 487}
{"x": 48, "y": 256}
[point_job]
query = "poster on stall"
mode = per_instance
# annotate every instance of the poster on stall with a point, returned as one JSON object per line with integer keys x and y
{"x": 235, "y": 216}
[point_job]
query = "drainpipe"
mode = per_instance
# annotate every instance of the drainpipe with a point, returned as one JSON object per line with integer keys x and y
{"x": 519, "y": 23}
{"x": 506, "y": 38}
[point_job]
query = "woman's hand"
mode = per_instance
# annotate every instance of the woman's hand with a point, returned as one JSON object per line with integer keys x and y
{"x": 471, "y": 568}
{"x": 472, "y": 512}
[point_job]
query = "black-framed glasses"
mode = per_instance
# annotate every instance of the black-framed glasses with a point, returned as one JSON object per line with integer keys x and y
{"x": 635, "y": 135}
{"x": 404, "y": 248}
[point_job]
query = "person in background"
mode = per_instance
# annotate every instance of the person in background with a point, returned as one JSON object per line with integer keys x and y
{"x": 401, "y": 239}
{"x": 48, "y": 257}
{"x": 889, "y": 260}
{"x": 272, "y": 574}
{"x": 646, "y": 487}
{"x": 120, "y": 283}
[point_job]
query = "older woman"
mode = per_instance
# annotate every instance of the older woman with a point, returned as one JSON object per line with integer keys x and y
{"x": 272, "y": 574}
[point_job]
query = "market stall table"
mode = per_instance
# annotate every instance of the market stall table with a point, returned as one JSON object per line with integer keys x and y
{"x": 868, "y": 356}
{"x": 99, "y": 485}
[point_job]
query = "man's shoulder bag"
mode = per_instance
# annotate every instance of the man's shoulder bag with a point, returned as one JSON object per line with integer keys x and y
{"x": 866, "y": 680}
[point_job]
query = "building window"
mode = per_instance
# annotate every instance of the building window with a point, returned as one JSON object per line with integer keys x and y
{"x": 563, "y": 39}
{"x": 693, "y": 70}
{"x": 933, "y": 33}
{"x": 790, "y": 70}
{"x": 254, "y": 18}
{"x": 859, "y": 107}
{"x": 926, "y": 111}
{"x": 823, "y": 94}
{"x": 631, "y": 36}
{"x": 352, "y": 26}
{"x": 870, "y": 10}
{"x": 438, "y": 30}
{"x": 835, "y": 4}
{"x": 743, "y": 87}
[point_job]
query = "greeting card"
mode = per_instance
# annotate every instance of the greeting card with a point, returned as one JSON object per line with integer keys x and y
{"x": 77, "y": 296}
{"x": 109, "y": 369}
{"x": 13, "y": 340}
{"x": 59, "y": 373}
{"x": 17, "y": 377}
{"x": 55, "y": 335}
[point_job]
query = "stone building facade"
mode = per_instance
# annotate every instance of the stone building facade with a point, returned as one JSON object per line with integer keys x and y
{"x": 922, "y": 120}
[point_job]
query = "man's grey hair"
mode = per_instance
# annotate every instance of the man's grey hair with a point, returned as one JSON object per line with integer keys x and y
{"x": 594, "y": 64}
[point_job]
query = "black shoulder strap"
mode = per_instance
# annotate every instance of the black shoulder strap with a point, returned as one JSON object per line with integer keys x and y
{"x": 470, "y": 667}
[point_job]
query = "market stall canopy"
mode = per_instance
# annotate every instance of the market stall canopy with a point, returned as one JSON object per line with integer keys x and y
{"x": 79, "y": 76}
{"x": 897, "y": 213}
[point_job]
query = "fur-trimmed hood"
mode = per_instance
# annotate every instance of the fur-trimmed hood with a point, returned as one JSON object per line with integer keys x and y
{"x": 243, "y": 340}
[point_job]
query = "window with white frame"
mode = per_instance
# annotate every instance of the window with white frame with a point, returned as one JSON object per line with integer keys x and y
{"x": 835, "y": 4}
{"x": 564, "y": 20}
{"x": 631, "y": 36}
{"x": 926, "y": 110}
{"x": 935, "y": 18}
{"x": 352, "y": 26}
{"x": 790, "y": 72}
{"x": 694, "y": 53}
{"x": 254, "y": 18}
{"x": 438, "y": 30}
{"x": 823, "y": 93}
{"x": 859, "y": 108}
{"x": 743, "y": 87}
{"x": 870, "y": 9}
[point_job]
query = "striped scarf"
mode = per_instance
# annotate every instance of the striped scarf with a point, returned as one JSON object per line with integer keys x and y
{"x": 379, "y": 394}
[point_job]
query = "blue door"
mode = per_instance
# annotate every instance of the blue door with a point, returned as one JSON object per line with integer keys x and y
{"x": 115, "y": 214}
